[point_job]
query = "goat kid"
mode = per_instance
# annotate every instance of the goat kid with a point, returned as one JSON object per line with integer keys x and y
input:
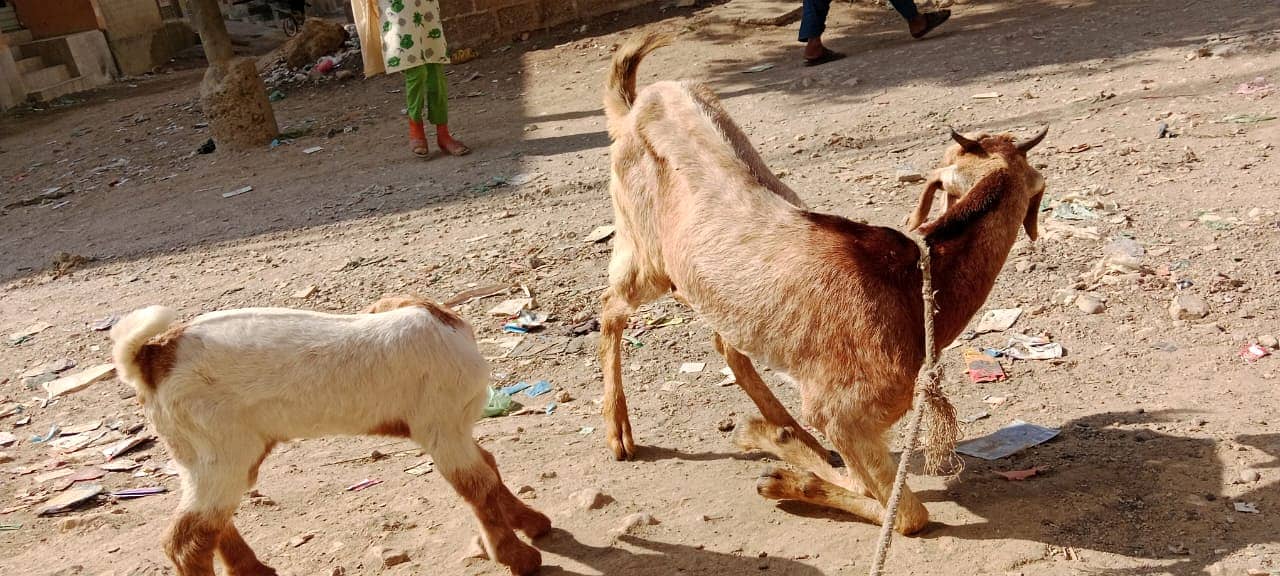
{"x": 223, "y": 389}
{"x": 833, "y": 303}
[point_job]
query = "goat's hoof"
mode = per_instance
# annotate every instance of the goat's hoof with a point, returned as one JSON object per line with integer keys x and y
{"x": 535, "y": 524}
{"x": 775, "y": 483}
{"x": 623, "y": 448}
{"x": 521, "y": 558}
{"x": 911, "y": 521}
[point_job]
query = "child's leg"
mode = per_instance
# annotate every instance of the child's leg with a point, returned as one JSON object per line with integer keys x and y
{"x": 415, "y": 85}
{"x": 438, "y": 109}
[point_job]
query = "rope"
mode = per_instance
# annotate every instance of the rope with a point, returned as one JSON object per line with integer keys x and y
{"x": 928, "y": 398}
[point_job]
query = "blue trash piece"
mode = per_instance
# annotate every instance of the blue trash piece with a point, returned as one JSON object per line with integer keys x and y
{"x": 992, "y": 352}
{"x": 551, "y": 407}
{"x": 512, "y": 389}
{"x": 539, "y": 388}
{"x": 514, "y": 328}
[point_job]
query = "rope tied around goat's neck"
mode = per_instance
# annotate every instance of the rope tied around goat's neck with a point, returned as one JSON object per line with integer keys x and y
{"x": 931, "y": 401}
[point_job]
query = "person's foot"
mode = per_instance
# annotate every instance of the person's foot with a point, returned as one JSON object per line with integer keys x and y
{"x": 448, "y": 143}
{"x": 418, "y": 140}
{"x": 925, "y": 22}
{"x": 815, "y": 53}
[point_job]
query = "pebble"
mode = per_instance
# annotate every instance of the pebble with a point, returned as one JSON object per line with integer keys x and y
{"x": 5, "y": 458}
{"x": 1090, "y": 303}
{"x": 340, "y": 571}
{"x": 564, "y": 396}
{"x": 1188, "y": 307}
{"x": 1064, "y": 296}
{"x": 389, "y": 556}
{"x": 910, "y": 176}
{"x": 591, "y": 499}
{"x": 633, "y": 521}
{"x": 549, "y": 474}
{"x": 1268, "y": 340}
{"x": 725, "y": 425}
{"x": 301, "y": 539}
{"x": 527, "y": 492}
{"x": 1250, "y": 476}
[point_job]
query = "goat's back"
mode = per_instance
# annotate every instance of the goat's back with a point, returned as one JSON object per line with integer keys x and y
{"x": 291, "y": 373}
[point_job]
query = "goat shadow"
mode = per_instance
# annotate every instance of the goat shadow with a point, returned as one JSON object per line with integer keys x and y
{"x": 1116, "y": 484}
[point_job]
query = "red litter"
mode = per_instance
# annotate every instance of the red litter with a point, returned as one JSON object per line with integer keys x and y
{"x": 361, "y": 485}
{"x": 1254, "y": 352}
{"x": 982, "y": 368}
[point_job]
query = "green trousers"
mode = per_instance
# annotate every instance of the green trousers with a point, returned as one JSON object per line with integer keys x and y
{"x": 427, "y": 78}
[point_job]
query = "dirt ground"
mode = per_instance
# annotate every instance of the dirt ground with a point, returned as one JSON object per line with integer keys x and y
{"x": 1165, "y": 429}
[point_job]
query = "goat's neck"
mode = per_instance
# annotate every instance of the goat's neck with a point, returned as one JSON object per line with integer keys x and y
{"x": 965, "y": 268}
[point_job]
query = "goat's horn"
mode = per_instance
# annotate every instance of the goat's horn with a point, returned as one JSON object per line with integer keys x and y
{"x": 965, "y": 143}
{"x": 1027, "y": 145}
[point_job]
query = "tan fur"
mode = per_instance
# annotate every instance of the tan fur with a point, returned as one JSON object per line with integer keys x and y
{"x": 441, "y": 313}
{"x": 833, "y": 303}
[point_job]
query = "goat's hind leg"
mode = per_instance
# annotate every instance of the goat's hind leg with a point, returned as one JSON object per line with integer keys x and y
{"x": 464, "y": 466}
{"x": 203, "y": 524}
{"x": 867, "y": 455}
{"x": 615, "y": 310}
{"x": 744, "y": 373}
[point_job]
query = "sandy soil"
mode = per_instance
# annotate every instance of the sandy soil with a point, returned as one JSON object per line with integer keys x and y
{"x": 1164, "y": 426}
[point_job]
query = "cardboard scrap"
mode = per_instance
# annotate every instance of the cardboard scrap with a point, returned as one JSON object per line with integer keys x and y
{"x": 997, "y": 320}
{"x": 79, "y": 381}
{"x": 69, "y": 499}
{"x": 982, "y": 368}
{"x": 1011, "y": 439}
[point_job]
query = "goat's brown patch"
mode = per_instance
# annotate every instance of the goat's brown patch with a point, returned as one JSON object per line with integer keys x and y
{"x": 443, "y": 315}
{"x": 157, "y": 357}
{"x": 397, "y": 428}
{"x": 192, "y": 539}
{"x": 238, "y": 556}
{"x": 981, "y": 200}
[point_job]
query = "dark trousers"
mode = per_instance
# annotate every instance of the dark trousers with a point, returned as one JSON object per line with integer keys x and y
{"x": 813, "y": 20}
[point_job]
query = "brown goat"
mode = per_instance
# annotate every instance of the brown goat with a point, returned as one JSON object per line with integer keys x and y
{"x": 833, "y": 303}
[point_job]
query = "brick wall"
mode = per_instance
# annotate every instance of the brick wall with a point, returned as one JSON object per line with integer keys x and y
{"x": 474, "y": 22}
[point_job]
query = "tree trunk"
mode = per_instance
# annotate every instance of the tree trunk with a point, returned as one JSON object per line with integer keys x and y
{"x": 232, "y": 94}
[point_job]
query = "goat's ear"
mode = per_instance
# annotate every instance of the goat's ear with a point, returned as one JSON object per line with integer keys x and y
{"x": 931, "y": 187}
{"x": 1031, "y": 222}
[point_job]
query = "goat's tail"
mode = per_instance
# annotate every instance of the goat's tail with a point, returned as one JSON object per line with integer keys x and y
{"x": 130, "y": 334}
{"x": 620, "y": 87}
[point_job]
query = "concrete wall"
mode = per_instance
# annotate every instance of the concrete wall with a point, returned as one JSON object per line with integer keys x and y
{"x": 140, "y": 37}
{"x": 12, "y": 88}
{"x": 85, "y": 55}
{"x": 475, "y": 22}
{"x": 48, "y": 18}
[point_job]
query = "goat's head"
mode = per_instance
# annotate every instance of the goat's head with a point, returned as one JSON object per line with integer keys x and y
{"x": 970, "y": 158}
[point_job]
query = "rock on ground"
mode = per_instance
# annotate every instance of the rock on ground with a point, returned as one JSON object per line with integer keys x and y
{"x": 591, "y": 499}
{"x": 1188, "y": 307}
{"x": 317, "y": 38}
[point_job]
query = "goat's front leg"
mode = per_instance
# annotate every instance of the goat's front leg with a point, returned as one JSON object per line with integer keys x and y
{"x": 613, "y": 320}
{"x": 867, "y": 455}
{"x": 238, "y": 556}
{"x": 782, "y": 441}
{"x": 744, "y": 372}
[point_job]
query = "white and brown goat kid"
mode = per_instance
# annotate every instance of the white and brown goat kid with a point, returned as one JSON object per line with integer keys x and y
{"x": 833, "y": 303}
{"x": 223, "y": 389}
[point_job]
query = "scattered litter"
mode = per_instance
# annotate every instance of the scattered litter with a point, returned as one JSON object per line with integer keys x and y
{"x": 475, "y": 294}
{"x": 1246, "y": 507}
{"x": 986, "y": 96}
{"x": 123, "y": 446}
{"x": 10, "y": 410}
{"x": 119, "y": 465}
{"x": 53, "y": 475}
{"x": 538, "y": 388}
{"x": 550, "y": 408}
{"x": 69, "y": 499}
{"x": 1216, "y": 222}
{"x": 104, "y": 324}
{"x": 526, "y": 321}
{"x": 729, "y": 378}
{"x": 1071, "y": 211}
{"x": 585, "y": 430}
{"x": 361, "y": 485}
{"x": 970, "y": 419}
{"x": 1245, "y": 119}
{"x": 524, "y": 178}
{"x": 1162, "y": 131}
{"x": 420, "y": 469}
{"x": 982, "y": 368}
{"x": 1023, "y": 347}
{"x": 995, "y": 400}
{"x": 1011, "y": 439}
{"x": 692, "y": 367}
{"x": 1019, "y": 474}
{"x": 299, "y": 540}
{"x": 498, "y": 403}
{"x": 1258, "y": 86}
{"x": 7, "y": 438}
{"x": 510, "y": 308}
{"x": 237, "y": 191}
{"x": 663, "y": 321}
{"x": 1254, "y": 352}
{"x": 53, "y": 433}
{"x": 600, "y": 234}
{"x": 132, "y": 493}
{"x": 305, "y": 293}
{"x": 632, "y": 340}
{"x": 514, "y": 388}
{"x": 275, "y": 96}
{"x": 26, "y": 333}
{"x": 79, "y": 381}
{"x": 312, "y": 150}
{"x": 82, "y": 428}
{"x": 997, "y": 320}
{"x": 10, "y": 527}
{"x": 758, "y": 68}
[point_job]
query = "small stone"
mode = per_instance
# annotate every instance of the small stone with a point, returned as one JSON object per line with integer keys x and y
{"x": 338, "y": 570}
{"x": 591, "y": 499}
{"x": 1268, "y": 340}
{"x": 725, "y": 425}
{"x": 910, "y": 176}
{"x": 305, "y": 293}
{"x": 5, "y": 458}
{"x": 526, "y": 489}
{"x": 376, "y": 455}
{"x": 1250, "y": 476}
{"x": 549, "y": 474}
{"x": 389, "y": 556}
{"x": 301, "y": 539}
{"x": 1091, "y": 303}
{"x": 633, "y": 521}
{"x": 1188, "y": 307}
{"x": 1064, "y": 297}
{"x": 564, "y": 396}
